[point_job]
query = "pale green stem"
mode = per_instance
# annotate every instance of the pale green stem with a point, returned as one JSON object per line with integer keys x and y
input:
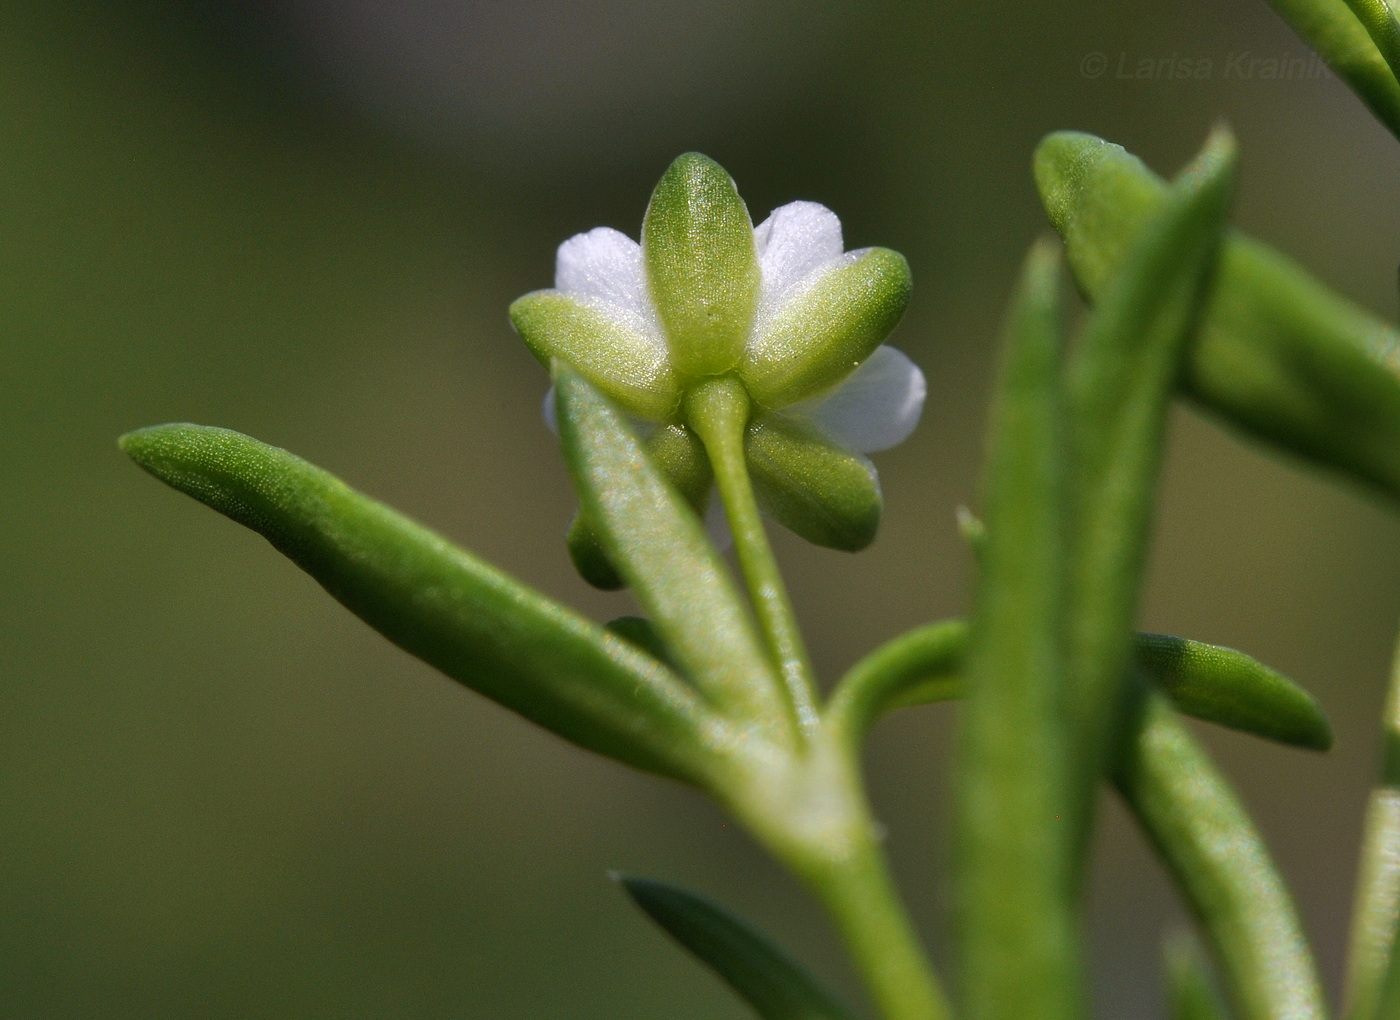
{"x": 718, "y": 411}
{"x": 1377, "y": 907}
{"x": 812, "y": 813}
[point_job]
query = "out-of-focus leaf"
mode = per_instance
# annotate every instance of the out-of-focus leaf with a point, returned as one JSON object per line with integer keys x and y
{"x": 1220, "y": 863}
{"x": 1019, "y": 944}
{"x": 767, "y": 978}
{"x": 1191, "y": 994}
{"x": 1209, "y": 682}
{"x": 658, "y": 544}
{"x": 1331, "y": 28}
{"x": 438, "y": 602}
{"x": 1277, "y": 354}
{"x": 1120, "y": 382}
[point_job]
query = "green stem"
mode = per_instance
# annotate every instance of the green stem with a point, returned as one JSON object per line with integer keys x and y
{"x": 718, "y": 411}
{"x": 1377, "y": 907}
{"x": 813, "y": 815}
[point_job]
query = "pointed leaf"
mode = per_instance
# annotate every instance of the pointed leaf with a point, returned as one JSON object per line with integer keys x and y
{"x": 1277, "y": 355}
{"x": 1220, "y": 685}
{"x": 1017, "y": 919}
{"x": 1344, "y": 42}
{"x": 1220, "y": 864}
{"x": 658, "y": 544}
{"x": 809, "y": 485}
{"x": 438, "y": 602}
{"x": 819, "y": 336}
{"x": 698, "y": 243}
{"x": 766, "y": 977}
{"x": 1120, "y": 383}
{"x": 1228, "y": 687}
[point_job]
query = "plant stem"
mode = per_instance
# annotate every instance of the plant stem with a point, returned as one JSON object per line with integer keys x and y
{"x": 1377, "y": 906}
{"x": 813, "y": 815}
{"x": 718, "y": 411}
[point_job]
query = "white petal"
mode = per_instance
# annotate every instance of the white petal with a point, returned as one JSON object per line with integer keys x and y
{"x": 794, "y": 242}
{"x": 875, "y": 408}
{"x": 603, "y": 267}
{"x": 717, "y": 524}
{"x": 551, "y": 419}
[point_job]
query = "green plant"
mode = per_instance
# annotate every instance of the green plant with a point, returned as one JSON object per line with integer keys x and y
{"x": 716, "y": 356}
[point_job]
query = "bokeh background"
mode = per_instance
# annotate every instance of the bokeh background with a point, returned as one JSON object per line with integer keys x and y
{"x": 222, "y": 796}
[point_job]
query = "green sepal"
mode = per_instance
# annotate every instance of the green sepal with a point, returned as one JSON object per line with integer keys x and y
{"x": 630, "y": 368}
{"x": 1221, "y": 865}
{"x": 436, "y": 601}
{"x": 763, "y": 974}
{"x": 1191, "y": 993}
{"x": 1220, "y": 685}
{"x": 659, "y": 546}
{"x": 1277, "y": 354}
{"x": 680, "y": 456}
{"x": 821, "y": 335}
{"x": 589, "y": 558}
{"x": 827, "y": 495}
{"x": 1345, "y": 43}
{"x": 702, "y": 266}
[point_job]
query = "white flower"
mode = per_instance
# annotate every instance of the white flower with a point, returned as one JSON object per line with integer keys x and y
{"x": 782, "y": 307}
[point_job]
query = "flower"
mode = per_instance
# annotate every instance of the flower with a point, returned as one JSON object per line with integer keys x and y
{"x": 781, "y": 307}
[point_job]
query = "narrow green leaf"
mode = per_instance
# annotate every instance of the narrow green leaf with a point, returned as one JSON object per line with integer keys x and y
{"x": 1016, "y": 914}
{"x": 1277, "y": 355}
{"x": 767, "y": 978}
{"x": 1120, "y": 383}
{"x": 1344, "y": 42}
{"x": 697, "y": 240}
{"x": 1208, "y": 682}
{"x": 680, "y": 456}
{"x": 438, "y": 602}
{"x": 919, "y": 667}
{"x": 1374, "y": 949}
{"x": 1220, "y": 864}
{"x": 657, "y": 543}
{"x": 1190, "y": 989}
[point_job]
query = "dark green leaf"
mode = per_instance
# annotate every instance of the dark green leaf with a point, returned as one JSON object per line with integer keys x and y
{"x": 440, "y": 603}
{"x": 1221, "y": 685}
{"x": 1224, "y": 686}
{"x": 767, "y": 978}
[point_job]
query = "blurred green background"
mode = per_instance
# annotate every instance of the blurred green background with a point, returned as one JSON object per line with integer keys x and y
{"x": 222, "y": 796}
